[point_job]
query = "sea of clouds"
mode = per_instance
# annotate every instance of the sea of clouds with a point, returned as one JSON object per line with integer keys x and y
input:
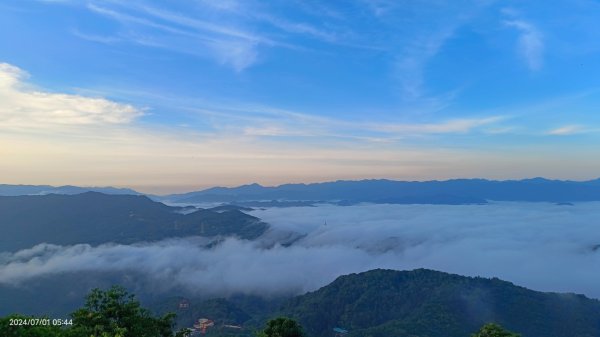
{"x": 541, "y": 246}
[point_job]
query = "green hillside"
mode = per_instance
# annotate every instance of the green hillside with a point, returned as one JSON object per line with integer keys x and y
{"x": 379, "y": 303}
{"x": 421, "y": 303}
{"x": 429, "y": 303}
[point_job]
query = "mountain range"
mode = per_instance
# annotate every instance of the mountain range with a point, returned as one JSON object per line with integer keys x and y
{"x": 349, "y": 192}
{"x": 458, "y": 191}
{"x": 15, "y": 190}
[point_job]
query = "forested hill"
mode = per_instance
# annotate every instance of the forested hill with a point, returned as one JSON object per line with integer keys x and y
{"x": 383, "y": 303}
{"x": 96, "y": 218}
{"x": 425, "y": 303}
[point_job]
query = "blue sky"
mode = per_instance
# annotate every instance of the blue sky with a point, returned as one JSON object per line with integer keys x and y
{"x": 175, "y": 95}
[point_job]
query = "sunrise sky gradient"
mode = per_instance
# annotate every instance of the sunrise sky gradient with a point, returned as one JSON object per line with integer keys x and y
{"x": 170, "y": 96}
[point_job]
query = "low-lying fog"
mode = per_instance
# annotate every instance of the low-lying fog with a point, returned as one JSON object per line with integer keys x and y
{"x": 537, "y": 245}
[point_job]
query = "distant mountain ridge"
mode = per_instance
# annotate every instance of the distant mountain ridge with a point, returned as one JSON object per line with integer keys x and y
{"x": 16, "y": 190}
{"x": 348, "y": 192}
{"x": 96, "y": 218}
{"x": 456, "y": 191}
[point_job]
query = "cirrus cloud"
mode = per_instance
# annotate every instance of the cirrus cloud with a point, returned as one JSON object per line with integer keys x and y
{"x": 566, "y": 130}
{"x": 531, "y": 43}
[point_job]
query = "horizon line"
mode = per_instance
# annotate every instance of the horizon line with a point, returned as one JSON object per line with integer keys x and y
{"x": 200, "y": 189}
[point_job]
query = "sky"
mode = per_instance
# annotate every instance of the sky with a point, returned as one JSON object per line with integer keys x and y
{"x": 172, "y": 96}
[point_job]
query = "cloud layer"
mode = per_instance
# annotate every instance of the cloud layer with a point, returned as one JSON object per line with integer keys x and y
{"x": 541, "y": 246}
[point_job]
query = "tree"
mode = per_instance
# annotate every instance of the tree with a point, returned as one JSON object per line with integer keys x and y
{"x": 494, "y": 330}
{"x": 282, "y": 327}
{"x": 115, "y": 313}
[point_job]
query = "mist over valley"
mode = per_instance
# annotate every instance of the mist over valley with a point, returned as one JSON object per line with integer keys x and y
{"x": 289, "y": 251}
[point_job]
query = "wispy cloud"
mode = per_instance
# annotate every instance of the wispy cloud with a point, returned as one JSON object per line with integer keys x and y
{"x": 413, "y": 52}
{"x": 229, "y": 46}
{"x": 132, "y": 19}
{"x": 567, "y": 130}
{"x": 379, "y": 7}
{"x": 96, "y": 38}
{"x": 531, "y": 42}
{"x": 235, "y": 31}
{"x": 411, "y": 63}
{"x": 235, "y": 43}
{"x": 264, "y": 121}
{"x": 202, "y": 25}
{"x": 299, "y": 28}
{"x": 226, "y": 5}
{"x": 451, "y": 126}
{"x": 260, "y": 14}
{"x": 320, "y": 9}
